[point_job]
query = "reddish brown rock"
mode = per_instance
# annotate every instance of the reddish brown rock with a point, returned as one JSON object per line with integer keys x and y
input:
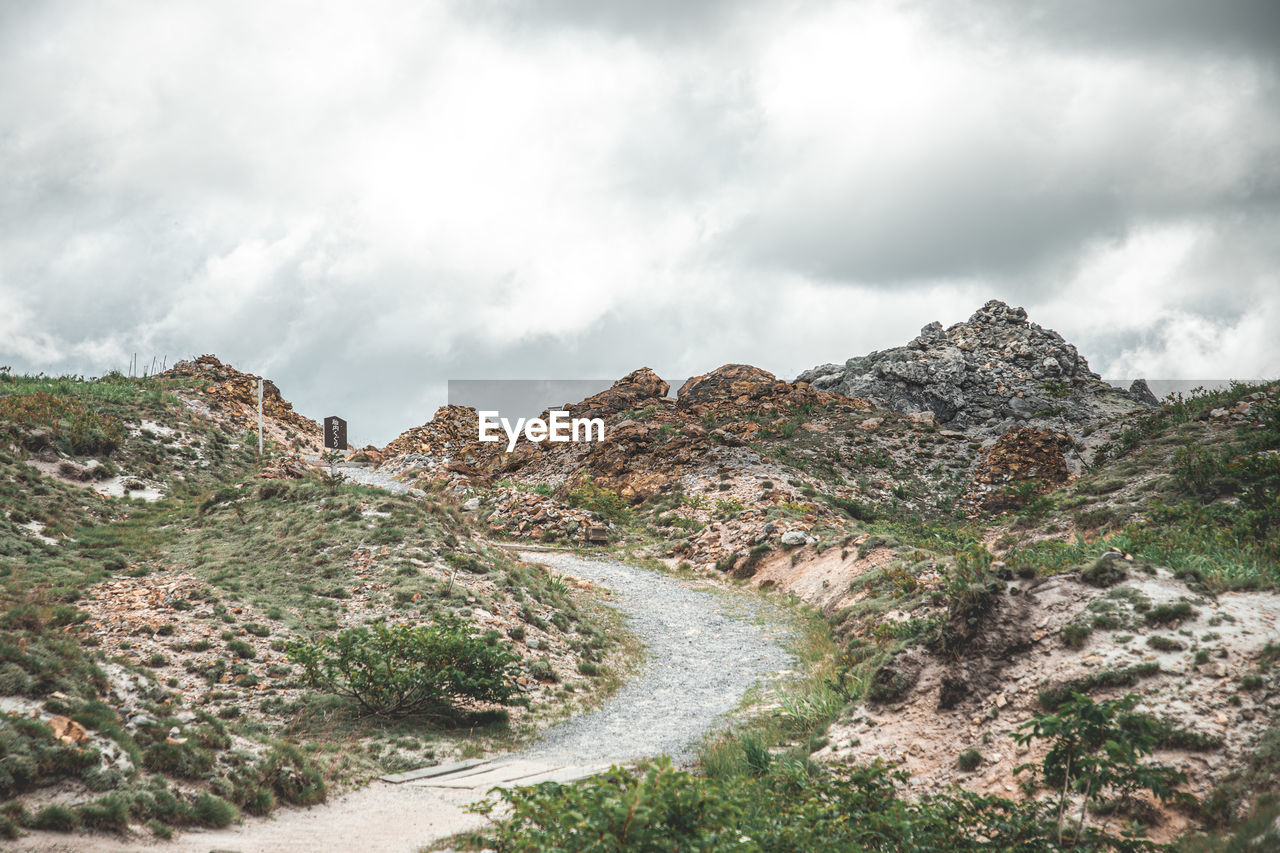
{"x": 637, "y": 390}
{"x": 68, "y": 730}
{"x": 235, "y": 395}
{"x": 1023, "y": 463}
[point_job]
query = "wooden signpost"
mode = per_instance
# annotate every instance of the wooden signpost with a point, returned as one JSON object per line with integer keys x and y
{"x": 259, "y": 415}
{"x": 335, "y": 433}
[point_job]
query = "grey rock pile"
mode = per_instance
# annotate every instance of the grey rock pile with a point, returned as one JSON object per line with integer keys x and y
{"x": 984, "y": 375}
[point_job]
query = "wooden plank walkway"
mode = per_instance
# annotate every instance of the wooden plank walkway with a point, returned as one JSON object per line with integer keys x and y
{"x": 480, "y": 775}
{"x": 434, "y": 770}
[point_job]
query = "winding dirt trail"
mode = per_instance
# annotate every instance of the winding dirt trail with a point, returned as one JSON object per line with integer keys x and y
{"x": 704, "y": 649}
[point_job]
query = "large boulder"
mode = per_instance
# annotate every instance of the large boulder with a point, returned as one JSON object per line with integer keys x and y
{"x": 739, "y": 384}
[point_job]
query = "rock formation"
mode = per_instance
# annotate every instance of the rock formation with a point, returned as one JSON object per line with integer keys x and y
{"x": 986, "y": 374}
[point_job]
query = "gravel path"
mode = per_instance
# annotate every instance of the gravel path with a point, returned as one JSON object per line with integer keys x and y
{"x": 703, "y": 649}
{"x": 366, "y": 476}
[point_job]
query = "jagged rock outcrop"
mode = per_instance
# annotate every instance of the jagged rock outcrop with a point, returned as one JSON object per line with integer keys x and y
{"x": 235, "y": 395}
{"x": 740, "y": 388}
{"x": 985, "y": 374}
{"x": 450, "y": 441}
{"x": 636, "y": 390}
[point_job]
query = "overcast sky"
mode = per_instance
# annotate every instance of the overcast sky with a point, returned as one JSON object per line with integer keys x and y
{"x": 363, "y": 201}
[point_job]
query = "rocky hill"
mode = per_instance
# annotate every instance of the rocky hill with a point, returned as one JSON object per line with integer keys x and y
{"x": 979, "y": 403}
{"x": 984, "y": 375}
{"x": 221, "y": 391}
{"x": 984, "y": 522}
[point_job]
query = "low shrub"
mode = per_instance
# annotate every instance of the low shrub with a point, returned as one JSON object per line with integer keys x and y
{"x": 1105, "y": 571}
{"x": 292, "y": 777}
{"x": 655, "y": 807}
{"x": 407, "y": 669}
{"x": 56, "y": 819}
{"x": 1051, "y": 697}
{"x": 212, "y": 811}
{"x": 1169, "y": 614}
{"x": 969, "y": 760}
{"x": 110, "y": 813}
{"x": 1164, "y": 644}
{"x": 603, "y": 502}
{"x": 1074, "y": 634}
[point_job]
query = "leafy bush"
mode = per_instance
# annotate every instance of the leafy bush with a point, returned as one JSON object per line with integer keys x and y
{"x": 212, "y": 811}
{"x": 657, "y": 808}
{"x": 603, "y": 502}
{"x": 407, "y": 669}
{"x": 1097, "y": 749}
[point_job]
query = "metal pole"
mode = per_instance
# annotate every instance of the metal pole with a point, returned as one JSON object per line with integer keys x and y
{"x": 259, "y": 415}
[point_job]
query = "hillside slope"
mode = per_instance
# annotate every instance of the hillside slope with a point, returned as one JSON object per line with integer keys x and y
{"x": 983, "y": 529}
{"x": 156, "y": 574}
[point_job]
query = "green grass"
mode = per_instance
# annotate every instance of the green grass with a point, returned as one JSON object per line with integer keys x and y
{"x": 806, "y": 705}
{"x": 1051, "y": 697}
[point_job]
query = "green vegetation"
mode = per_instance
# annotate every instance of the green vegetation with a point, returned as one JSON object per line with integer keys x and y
{"x": 401, "y": 670}
{"x": 655, "y": 807}
{"x": 1215, "y": 515}
{"x": 1097, "y": 750}
{"x": 1052, "y": 698}
{"x": 265, "y": 563}
{"x": 604, "y": 503}
{"x": 969, "y": 760}
{"x": 67, "y": 422}
{"x": 809, "y": 702}
{"x": 1164, "y": 644}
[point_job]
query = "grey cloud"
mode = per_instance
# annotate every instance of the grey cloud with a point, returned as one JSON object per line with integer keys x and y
{"x": 921, "y": 233}
{"x": 1223, "y": 26}
{"x": 661, "y": 19}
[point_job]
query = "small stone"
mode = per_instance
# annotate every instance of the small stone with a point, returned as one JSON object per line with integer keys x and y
{"x": 792, "y": 538}
{"x": 68, "y": 730}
